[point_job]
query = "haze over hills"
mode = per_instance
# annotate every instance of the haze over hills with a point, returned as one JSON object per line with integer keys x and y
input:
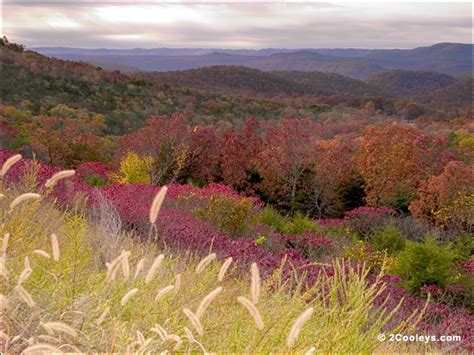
{"x": 447, "y": 58}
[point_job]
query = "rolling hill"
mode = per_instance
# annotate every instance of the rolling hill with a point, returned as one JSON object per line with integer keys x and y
{"x": 239, "y": 80}
{"x": 447, "y": 58}
{"x": 409, "y": 83}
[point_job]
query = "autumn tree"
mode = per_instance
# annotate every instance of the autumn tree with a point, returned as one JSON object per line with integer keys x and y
{"x": 395, "y": 159}
{"x": 286, "y": 159}
{"x": 238, "y": 153}
{"x": 166, "y": 140}
{"x": 447, "y": 200}
{"x": 67, "y": 141}
{"x": 336, "y": 182}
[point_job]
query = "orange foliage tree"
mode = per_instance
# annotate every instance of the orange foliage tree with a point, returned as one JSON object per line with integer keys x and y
{"x": 394, "y": 160}
{"x": 447, "y": 200}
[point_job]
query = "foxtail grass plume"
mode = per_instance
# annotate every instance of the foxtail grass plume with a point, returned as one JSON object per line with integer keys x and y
{"x": 9, "y": 163}
{"x": 48, "y": 338}
{"x": 156, "y": 204}
{"x": 125, "y": 268}
{"x": 25, "y": 273}
{"x": 223, "y": 269}
{"x": 127, "y": 296}
{"x": 42, "y": 253}
{"x": 114, "y": 266}
{"x": 255, "y": 282}
{"x": 53, "y": 180}
{"x": 298, "y": 325}
{"x": 205, "y": 263}
{"x": 22, "y": 198}
{"x": 102, "y": 316}
{"x": 156, "y": 264}
{"x": 25, "y": 296}
{"x": 139, "y": 268}
{"x": 177, "y": 282}
{"x": 206, "y": 301}
{"x": 140, "y": 337}
{"x": 165, "y": 290}
{"x": 253, "y": 311}
{"x": 55, "y": 247}
{"x": 3, "y": 269}
{"x": 3, "y": 303}
{"x": 41, "y": 348}
{"x": 60, "y": 327}
{"x": 6, "y": 238}
{"x": 162, "y": 333}
{"x": 194, "y": 321}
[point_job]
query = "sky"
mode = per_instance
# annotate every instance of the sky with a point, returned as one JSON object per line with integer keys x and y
{"x": 118, "y": 24}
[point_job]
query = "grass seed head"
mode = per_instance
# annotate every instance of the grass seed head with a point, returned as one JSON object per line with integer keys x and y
{"x": 253, "y": 311}
{"x": 156, "y": 204}
{"x": 205, "y": 263}
{"x": 6, "y": 238}
{"x": 22, "y": 198}
{"x": 298, "y": 325}
{"x": 42, "y": 253}
{"x": 165, "y": 290}
{"x": 61, "y": 327}
{"x": 127, "y": 296}
{"x": 53, "y": 180}
{"x": 102, "y": 316}
{"x": 9, "y": 163}
{"x": 223, "y": 270}
{"x": 255, "y": 283}
{"x": 25, "y": 296}
{"x": 154, "y": 267}
{"x": 55, "y": 247}
{"x": 194, "y": 321}
{"x": 206, "y": 301}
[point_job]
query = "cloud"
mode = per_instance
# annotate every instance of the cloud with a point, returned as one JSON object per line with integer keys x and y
{"x": 235, "y": 25}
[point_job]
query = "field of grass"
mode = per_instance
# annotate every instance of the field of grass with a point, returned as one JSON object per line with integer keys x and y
{"x": 68, "y": 288}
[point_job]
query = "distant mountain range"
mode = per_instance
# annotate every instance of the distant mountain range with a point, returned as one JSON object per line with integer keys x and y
{"x": 447, "y": 58}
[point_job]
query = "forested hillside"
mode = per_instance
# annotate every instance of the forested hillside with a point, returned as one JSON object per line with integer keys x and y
{"x": 230, "y": 209}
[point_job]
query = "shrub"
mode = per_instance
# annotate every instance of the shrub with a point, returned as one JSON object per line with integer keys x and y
{"x": 301, "y": 223}
{"x": 427, "y": 263}
{"x": 231, "y": 216}
{"x": 134, "y": 170}
{"x": 270, "y": 217}
{"x": 364, "y": 254}
{"x": 366, "y": 220}
{"x": 389, "y": 238}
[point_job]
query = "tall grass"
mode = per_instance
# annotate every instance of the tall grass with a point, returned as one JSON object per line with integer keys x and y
{"x": 74, "y": 296}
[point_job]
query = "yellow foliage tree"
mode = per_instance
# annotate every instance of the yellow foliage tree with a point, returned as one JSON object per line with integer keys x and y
{"x": 134, "y": 169}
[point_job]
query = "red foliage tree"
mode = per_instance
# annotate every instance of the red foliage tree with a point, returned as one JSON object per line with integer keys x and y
{"x": 286, "y": 158}
{"x": 238, "y": 153}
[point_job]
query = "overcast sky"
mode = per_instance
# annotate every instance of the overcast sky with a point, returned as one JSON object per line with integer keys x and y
{"x": 235, "y": 25}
